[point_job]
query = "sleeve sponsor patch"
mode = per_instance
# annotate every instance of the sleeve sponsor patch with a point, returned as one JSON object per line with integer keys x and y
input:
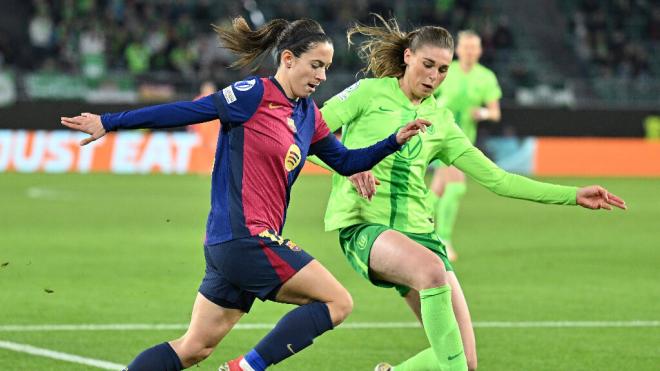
{"x": 230, "y": 97}
{"x": 346, "y": 92}
{"x": 244, "y": 85}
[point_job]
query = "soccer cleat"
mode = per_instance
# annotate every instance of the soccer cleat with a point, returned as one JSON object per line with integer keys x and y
{"x": 383, "y": 366}
{"x": 238, "y": 364}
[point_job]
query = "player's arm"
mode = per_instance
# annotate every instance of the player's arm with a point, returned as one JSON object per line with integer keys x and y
{"x": 152, "y": 117}
{"x": 232, "y": 106}
{"x": 350, "y": 161}
{"x": 492, "y": 95}
{"x": 491, "y": 112}
{"x": 476, "y": 165}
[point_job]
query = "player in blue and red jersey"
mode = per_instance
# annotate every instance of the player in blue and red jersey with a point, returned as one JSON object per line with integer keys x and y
{"x": 269, "y": 126}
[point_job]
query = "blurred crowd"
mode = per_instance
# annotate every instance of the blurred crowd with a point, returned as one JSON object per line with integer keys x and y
{"x": 93, "y": 37}
{"x": 615, "y": 36}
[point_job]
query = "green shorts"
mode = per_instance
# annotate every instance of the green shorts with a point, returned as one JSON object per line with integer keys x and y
{"x": 357, "y": 240}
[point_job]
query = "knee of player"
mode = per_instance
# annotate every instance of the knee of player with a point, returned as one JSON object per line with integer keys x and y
{"x": 340, "y": 307}
{"x": 431, "y": 274}
{"x": 191, "y": 354}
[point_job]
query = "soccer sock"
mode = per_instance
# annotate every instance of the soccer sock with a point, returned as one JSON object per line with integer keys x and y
{"x": 446, "y": 209}
{"x": 442, "y": 329}
{"x": 160, "y": 357}
{"x": 293, "y": 333}
{"x": 424, "y": 360}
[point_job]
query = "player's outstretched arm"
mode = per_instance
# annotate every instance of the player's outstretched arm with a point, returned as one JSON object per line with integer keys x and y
{"x": 88, "y": 123}
{"x": 596, "y": 197}
{"x": 151, "y": 117}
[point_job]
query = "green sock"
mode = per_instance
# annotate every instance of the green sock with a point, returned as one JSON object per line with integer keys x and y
{"x": 442, "y": 331}
{"x": 446, "y": 209}
{"x": 424, "y": 360}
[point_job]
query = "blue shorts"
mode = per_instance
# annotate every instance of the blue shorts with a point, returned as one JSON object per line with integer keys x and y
{"x": 241, "y": 270}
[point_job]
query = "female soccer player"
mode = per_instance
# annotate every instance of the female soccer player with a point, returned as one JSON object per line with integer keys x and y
{"x": 472, "y": 94}
{"x": 269, "y": 126}
{"x": 388, "y": 236}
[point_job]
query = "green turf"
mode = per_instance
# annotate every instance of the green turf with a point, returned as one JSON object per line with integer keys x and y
{"x": 127, "y": 249}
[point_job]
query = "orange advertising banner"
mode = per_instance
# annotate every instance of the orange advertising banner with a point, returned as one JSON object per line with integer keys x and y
{"x": 597, "y": 157}
{"x": 130, "y": 152}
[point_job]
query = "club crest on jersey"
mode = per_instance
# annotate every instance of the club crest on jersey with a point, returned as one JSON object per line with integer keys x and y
{"x": 292, "y": 158}
{"x": 244, "y": 85}
{"x": 291, "y": 124}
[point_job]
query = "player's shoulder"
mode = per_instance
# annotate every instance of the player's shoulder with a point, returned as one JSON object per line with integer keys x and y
{"x": 485, "y": 71}
{"x": 249, "y": 88}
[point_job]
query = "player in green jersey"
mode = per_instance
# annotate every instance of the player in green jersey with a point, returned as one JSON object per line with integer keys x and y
{"x": 472, "y": 94}
{"x": 388, "y": 236}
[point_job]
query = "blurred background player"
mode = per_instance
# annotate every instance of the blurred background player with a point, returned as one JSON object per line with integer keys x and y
{"x": 269, "y": 126}
{"x": 387, "y": 236}
{"x": 472, "y": 94}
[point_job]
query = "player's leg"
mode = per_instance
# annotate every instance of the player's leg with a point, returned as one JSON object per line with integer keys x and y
{"x": 449, "y": 184}
{"x": 208, "y": 325}
{"x": 218, "y": 307}
{"x": 323, "y": 303}
{"x": 462, "y": 313}
{"x": 396, "y": 258}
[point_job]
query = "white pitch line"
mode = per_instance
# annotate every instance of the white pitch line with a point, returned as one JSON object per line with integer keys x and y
{"x": 349, "y": 325}
{"x": 24, "y": 348}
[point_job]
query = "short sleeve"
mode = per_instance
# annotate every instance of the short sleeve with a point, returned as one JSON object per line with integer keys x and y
{"x": 345, "y": 106}
{"x": 493, "y": 91}
{"x": 239, "y": 101}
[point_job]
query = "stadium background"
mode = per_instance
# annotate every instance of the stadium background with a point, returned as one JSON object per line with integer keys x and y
{"x": 84, "y": 242}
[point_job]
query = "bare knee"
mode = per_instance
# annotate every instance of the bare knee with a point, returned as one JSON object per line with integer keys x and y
{"x": 432, "y": 274}
{"x": 340, "y": 307}
{"x": 192, "y": 352}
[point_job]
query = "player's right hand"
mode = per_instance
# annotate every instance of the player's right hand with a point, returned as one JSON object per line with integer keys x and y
{"x": 410, "y": 130}
{"x": 87, "y": 123}
{"x": 596, "y": 197}
{"x": 365, "y": 183}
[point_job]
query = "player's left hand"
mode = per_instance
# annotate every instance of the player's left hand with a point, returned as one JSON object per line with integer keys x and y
{"x": 365, "y": 183}
{"x": 596, "y": 197}
{"x": 410, "y": 130}
{"x": 87, "y": 123}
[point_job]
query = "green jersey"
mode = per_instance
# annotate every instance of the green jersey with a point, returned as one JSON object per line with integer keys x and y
{"x": 372, "y": 109}
{"x": 463, "y": 92}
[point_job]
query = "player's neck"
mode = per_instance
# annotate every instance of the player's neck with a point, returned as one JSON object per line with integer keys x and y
{"x": 407, "y": 91}
{"x": 285, "y": 85}
{"x": 466, "y": 66}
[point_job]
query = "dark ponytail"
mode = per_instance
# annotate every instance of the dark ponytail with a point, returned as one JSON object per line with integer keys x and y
{"x": 251, "y": 46}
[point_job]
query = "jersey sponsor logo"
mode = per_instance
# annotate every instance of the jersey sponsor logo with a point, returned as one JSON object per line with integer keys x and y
{"x": 291, "y": 124}
{"x": 346, "y": 92}
{"x": 292, "y": 158}
{"x": 411, "y": 150}
{"x": 245, "y": 85}
{"x": 229, "y": 95}
{"x": 274, "y": 105}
